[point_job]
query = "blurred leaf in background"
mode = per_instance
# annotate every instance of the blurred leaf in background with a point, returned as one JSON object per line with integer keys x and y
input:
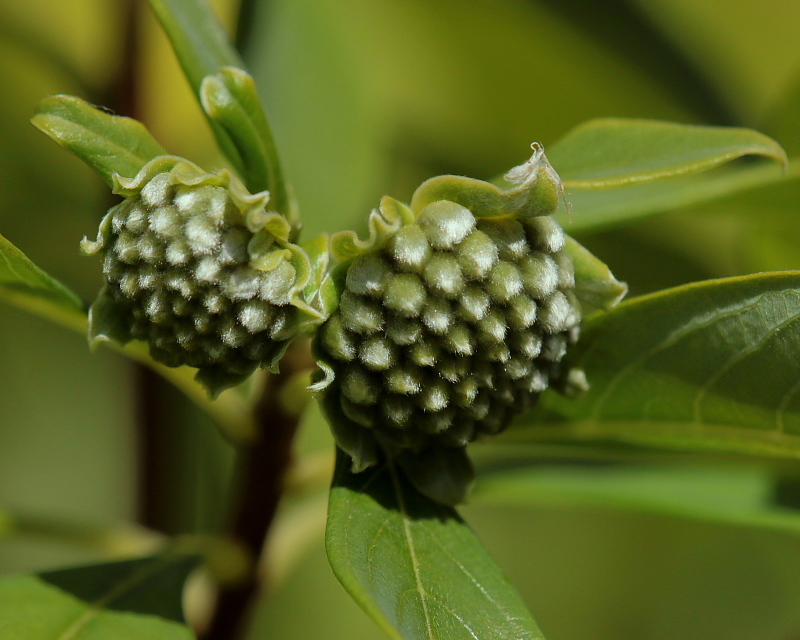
{"x": 67, "y": 446}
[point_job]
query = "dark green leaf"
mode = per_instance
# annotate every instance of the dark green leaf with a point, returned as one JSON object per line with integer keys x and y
{"x": 110, "y": 144}
{"x": 713, "y": 365}
{"x": 614, "y": 152}
{"x": 25, "y": 285}
{"x": 130, "y": 600}
{"x": 414, "y": 566}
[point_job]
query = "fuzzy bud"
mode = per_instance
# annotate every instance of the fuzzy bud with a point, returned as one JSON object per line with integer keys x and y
{"x": 199, "y": 270}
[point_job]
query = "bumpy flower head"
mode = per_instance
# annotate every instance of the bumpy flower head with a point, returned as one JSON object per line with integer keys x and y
{"x": 198, "y": 269}
{"x": 452, "y": 318}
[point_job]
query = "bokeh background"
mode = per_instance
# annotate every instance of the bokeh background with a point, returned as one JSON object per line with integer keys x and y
{"x": 369, "y": 97}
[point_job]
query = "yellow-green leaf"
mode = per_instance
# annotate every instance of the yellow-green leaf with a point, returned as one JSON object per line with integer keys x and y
{"x": 614, "y": 152}
{"x": 25, "y": 285}
{"x": 110, "y": 144}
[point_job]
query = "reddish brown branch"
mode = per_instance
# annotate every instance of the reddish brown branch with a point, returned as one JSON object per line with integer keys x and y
{"x": 262, "y": 466}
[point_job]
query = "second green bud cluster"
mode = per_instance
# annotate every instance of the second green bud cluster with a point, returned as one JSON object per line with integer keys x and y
{"x": 452, "y": 327}
{"x": 447, "y": 322}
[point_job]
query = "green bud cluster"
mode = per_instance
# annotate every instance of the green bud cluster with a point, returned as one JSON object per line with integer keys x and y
{"x": 453, "y": 327}
{"x": 452, "y": 323}
{"x": 199, "y": 270}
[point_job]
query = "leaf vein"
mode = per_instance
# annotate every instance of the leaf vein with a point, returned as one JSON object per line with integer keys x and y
{"x": 668, "y": 341}
{"x": 423, "y": 596}
{"x": 738, "y": 357}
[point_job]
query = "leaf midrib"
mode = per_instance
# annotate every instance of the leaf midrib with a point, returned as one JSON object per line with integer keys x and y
{"x": 96, "y": 608}
{"x": 401, "y": 505}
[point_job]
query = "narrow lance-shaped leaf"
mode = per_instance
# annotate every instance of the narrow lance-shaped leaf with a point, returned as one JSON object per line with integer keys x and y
{"x": 714, "y": 365}
{"x": 203, "y": 48}
{"x": 25, "y": 285}
{"x": 198, "y": 37}
{"x": 614, "y": 152}
{"x": 230, "y": 99}
{"x": 127, "y": 600}
{"x": 226, "y": 93}
{"x": 414, "y": 566}
{"x": 109, "y": 144}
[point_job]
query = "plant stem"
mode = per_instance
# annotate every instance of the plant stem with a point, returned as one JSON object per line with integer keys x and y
{"x": 154, "y": 498}
{"x": 262, "y": 468}
{"x": 122, "y": 94}
{"x": 156, "y": 494}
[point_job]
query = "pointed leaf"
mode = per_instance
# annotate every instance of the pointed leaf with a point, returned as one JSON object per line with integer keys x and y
{"x": 230, "y": 99}
{"x": 109, "y": 144}
{"x": 239, "y": 125}
{"x": 592, "y": 209}
{"x": 414, "y": 566}
{"x": 203, "y": 48}
{"x": 713, "y": 365}
{"x": 25, "y": 285}
{"x": 130, "y": 600}
{"x": 614, "y": 152}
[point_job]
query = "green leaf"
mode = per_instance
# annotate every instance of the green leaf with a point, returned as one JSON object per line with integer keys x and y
{"x": 594, "y": 283}
{"x": 319, "y": 257}
{"x": 711, "y": 365}
{"x": 130, "y": 600}
{"x": 25, "y": 285}
{"x": 230, "y": 98}
{"x": 614, "y": 152}
{"x": 592, "y": 209}
{"x": 198, "y": 37}
{"x": 239, "y": 125}
{"x": 110, "y": 144}
{"x": 203, "y": 49}
{"x": 709, "y": 493}
{"x": 414, "y": 566}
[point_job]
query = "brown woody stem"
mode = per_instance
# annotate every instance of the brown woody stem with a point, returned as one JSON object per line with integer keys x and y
{"x": 262, "y": 468}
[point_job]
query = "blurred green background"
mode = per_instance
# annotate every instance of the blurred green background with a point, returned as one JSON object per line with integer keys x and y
{"x": 369, "y": 97}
